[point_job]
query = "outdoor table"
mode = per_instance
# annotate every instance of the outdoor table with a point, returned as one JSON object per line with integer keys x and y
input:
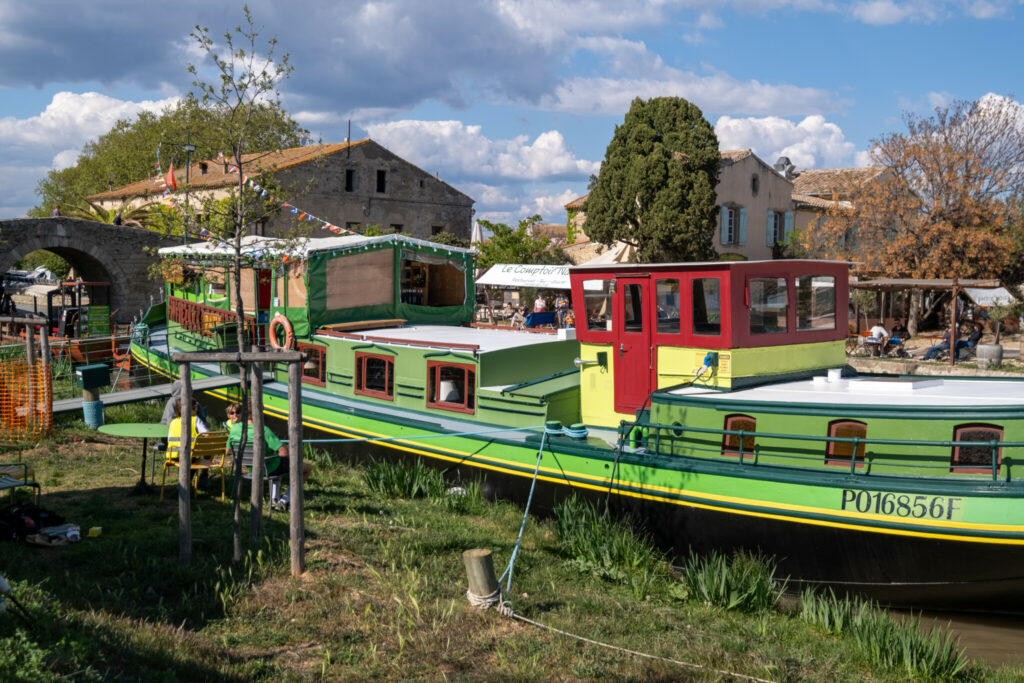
{"x": 137, "y": 430}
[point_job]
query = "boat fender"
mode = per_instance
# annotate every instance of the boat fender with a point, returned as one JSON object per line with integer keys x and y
{"x": 289, "y": 334}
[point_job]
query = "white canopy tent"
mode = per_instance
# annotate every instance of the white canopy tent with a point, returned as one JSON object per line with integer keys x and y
{"x": 515, "y": 275}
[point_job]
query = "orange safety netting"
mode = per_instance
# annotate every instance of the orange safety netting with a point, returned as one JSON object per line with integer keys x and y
{"x": 26, "y": 400}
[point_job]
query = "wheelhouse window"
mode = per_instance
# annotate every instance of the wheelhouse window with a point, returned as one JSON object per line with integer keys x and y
{"x": 668, "y": 306}
{"x": 841, "y": 452}
{"x": 451, "y": 387}
{"x": 732, "y": 443}
{"x": 314, "y": 368}
{"x": 375, "y": 376}
{"x": 815, "y": 302}
{"x": 633, "y": 308}
{"x": 976, "y": 459}
{"x": 597, "y": 299}
{"x": 769, "y": 305}
{"x": 707, "y": 305}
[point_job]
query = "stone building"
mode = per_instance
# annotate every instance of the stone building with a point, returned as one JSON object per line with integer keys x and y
{"x": 350, "y": 185}
{"x": 755, "y": 211}
{"x": 817, "y": 191}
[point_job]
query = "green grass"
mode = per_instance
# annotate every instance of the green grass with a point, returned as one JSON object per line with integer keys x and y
{"x": 383, "y": 596}
{"x": 743, "y": 582}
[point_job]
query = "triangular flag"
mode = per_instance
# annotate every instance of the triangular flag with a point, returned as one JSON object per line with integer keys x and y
{"x": 170, "y": 177}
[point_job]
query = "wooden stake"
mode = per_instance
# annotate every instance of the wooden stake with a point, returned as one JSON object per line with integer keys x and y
{"x": 295, "y": 523}
{"x": 480, "y": 572}
{"x": 258, "y": 446}
{"x": 185, "y": 468}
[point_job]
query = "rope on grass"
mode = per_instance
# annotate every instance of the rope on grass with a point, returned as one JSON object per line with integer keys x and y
{"x": 637, "y": 653}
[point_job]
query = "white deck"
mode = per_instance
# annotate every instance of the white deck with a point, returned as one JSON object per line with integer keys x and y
{"x": 918, "y": 391}
{"x": 443, "y": 336}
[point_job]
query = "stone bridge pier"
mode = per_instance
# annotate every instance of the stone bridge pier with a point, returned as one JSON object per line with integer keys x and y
{"x": 97, "y": 251}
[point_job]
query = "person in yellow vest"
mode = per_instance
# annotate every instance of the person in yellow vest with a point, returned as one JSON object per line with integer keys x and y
{"x": 174, "y": 430}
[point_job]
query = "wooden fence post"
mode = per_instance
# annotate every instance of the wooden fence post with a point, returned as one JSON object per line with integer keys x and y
{"x": 185, "y": 468}
{"x": 297, "y": 495}
{"x": 258, "y": 446}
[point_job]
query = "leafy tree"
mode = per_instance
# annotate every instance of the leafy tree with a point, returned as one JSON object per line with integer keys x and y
{"x": 126, "y": 153}
{"x": 138, "y": 216}
{"x": 656, "y": 188}
{"x": 245, "y": 88}
{"x": 947, "y": 204}
{"x": 517, "y": 245}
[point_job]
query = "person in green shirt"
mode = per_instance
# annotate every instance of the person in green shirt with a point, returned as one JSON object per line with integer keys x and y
{"x": 276, "y": 452}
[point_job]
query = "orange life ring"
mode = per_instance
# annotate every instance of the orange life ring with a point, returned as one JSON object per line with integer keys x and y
{"x": 289, "y": 334}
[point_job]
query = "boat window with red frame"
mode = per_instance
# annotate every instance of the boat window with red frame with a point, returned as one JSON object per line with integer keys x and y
{"x": 839, "y": 452}
{"x": 314, "y": 369}
{"x": 815, "y": 302}
{"x": 769, "y": 305}
{"x": 976, "y": 459}
{"x": 375, "y": 376}
{"x": 669, "y": 306}
{"x": 451, "y": 386}
{"x": 706, "y": 303}
{"x": 597, "y": 302}
{"x": 731, "y": 442}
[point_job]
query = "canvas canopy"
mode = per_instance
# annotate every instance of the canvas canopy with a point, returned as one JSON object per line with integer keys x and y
{"x": 990, "y": 297}
{"x": 514, "y": 275}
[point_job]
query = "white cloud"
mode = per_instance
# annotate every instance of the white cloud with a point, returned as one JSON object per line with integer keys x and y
{"x": 885, "y": 12}
{"x": 880, "y": 12}
{"x": 551, "y": 207}
{"x": 862, "y": 158}
{"x": 65, "y": 158}
{"x": 71, "y": 119}
{"x": 940, "y": 99}
{"x": 811, "y": 143}
{"x": 455, "y": 149}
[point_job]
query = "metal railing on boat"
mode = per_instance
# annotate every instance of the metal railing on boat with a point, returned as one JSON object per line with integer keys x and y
{"x": 663, "y": 439}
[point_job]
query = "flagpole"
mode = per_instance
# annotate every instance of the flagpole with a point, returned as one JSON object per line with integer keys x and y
{"x": 189, "y": 148}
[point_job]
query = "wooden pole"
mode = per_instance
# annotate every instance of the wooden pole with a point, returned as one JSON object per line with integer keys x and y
{"x": 184, "y": 468}
{"x": 258, "y": 446}
{"x": 480, "y": 572}
{"x": 44, "y": 354}
{"x": 295, "y": 523}
{"x": 954, "y": 324}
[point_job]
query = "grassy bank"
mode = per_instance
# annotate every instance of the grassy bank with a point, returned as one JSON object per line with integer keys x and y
{"x": 384, "y": 596}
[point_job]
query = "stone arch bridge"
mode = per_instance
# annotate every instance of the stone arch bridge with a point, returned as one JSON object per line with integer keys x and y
{"x": 97, "y": 251}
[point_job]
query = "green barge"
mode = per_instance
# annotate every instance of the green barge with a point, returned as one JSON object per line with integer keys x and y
{"x": 708, "y": 400}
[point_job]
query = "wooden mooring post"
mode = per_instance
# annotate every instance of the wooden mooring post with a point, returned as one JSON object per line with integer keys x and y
{"x": 483, "y": 585}
{"x": 256, "y": 358}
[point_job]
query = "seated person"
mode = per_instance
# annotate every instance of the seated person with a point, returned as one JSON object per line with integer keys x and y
{"x": 898, "y": 336}
{"x": 173, "y": 403}
{"x": 934, "y": 351}
{"x": 900, "y": 331}
{"x": 275, "y": 452}
{"x": 972, "y": 340}
{"x": 876, "y": 339}
{"x": 519, "y": 318}
{"x": 175, "y": 431}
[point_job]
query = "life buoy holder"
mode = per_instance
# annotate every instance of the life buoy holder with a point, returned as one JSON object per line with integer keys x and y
{"x": 289, "y": 334}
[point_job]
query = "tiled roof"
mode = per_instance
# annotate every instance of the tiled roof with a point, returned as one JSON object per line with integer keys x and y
{"x": 553, "y": 231}
{"x": 829, "y": 182}
{"x": 216, "y": 176}
{"x": 735, "y": 155}
{"x": 577, "y": 204}
{"x": 818, "y": 202}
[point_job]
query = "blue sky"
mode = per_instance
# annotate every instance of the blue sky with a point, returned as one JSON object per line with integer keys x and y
{"x": 513, "y": 101}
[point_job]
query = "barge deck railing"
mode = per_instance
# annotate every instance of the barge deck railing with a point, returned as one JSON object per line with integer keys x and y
{"x": 682, "y": 440}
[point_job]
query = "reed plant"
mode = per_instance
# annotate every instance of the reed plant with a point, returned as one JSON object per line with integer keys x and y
{"x": 403, "y": 478}
{"x": 901, "y": 647}
{"x": 745, "y": 582}
{"x": 611, "y": 549}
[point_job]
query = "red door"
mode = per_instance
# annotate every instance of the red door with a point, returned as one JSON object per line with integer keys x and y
{"x": 634, "y": 352}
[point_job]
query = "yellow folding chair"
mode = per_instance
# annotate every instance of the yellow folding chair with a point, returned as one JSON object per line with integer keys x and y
{"x": 208, "y": 453}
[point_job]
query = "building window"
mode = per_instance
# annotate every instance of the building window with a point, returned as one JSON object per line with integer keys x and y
{"x": 451, "y": 387}
{"x": 778, "y": 228}
{"x": 353, "y": 227}
{"x": 436, "y": 229}
{"x": 350, "y": 180}
{"x": 396, "y": 227}
{"x": 755, "y": 184}
{"x": 976, "y": 459}
{"x": 314, "y": 368}
{"x": 731, "y": 443}
{"x": 375, "y": 376}
{"x": 203, "y": 168}
{"x": 382, "y": 181}
{"x": 840, "y": 452}
{"x": 769, "y": 305}
{"x": 815, "y": 303}
{"x": 668, "y": 306}
{"x": 706, "y": 302}
{"x": 729, "y": 225}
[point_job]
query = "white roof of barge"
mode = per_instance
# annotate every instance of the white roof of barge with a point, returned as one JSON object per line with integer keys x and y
{"x": 876, "y": 391}
{"x": 255, "y": 246}
{"x": 690, "y": 264}
{"x": 443, "y": 336}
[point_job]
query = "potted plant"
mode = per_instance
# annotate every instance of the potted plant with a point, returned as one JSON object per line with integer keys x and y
{"x": 997, "y": 313}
